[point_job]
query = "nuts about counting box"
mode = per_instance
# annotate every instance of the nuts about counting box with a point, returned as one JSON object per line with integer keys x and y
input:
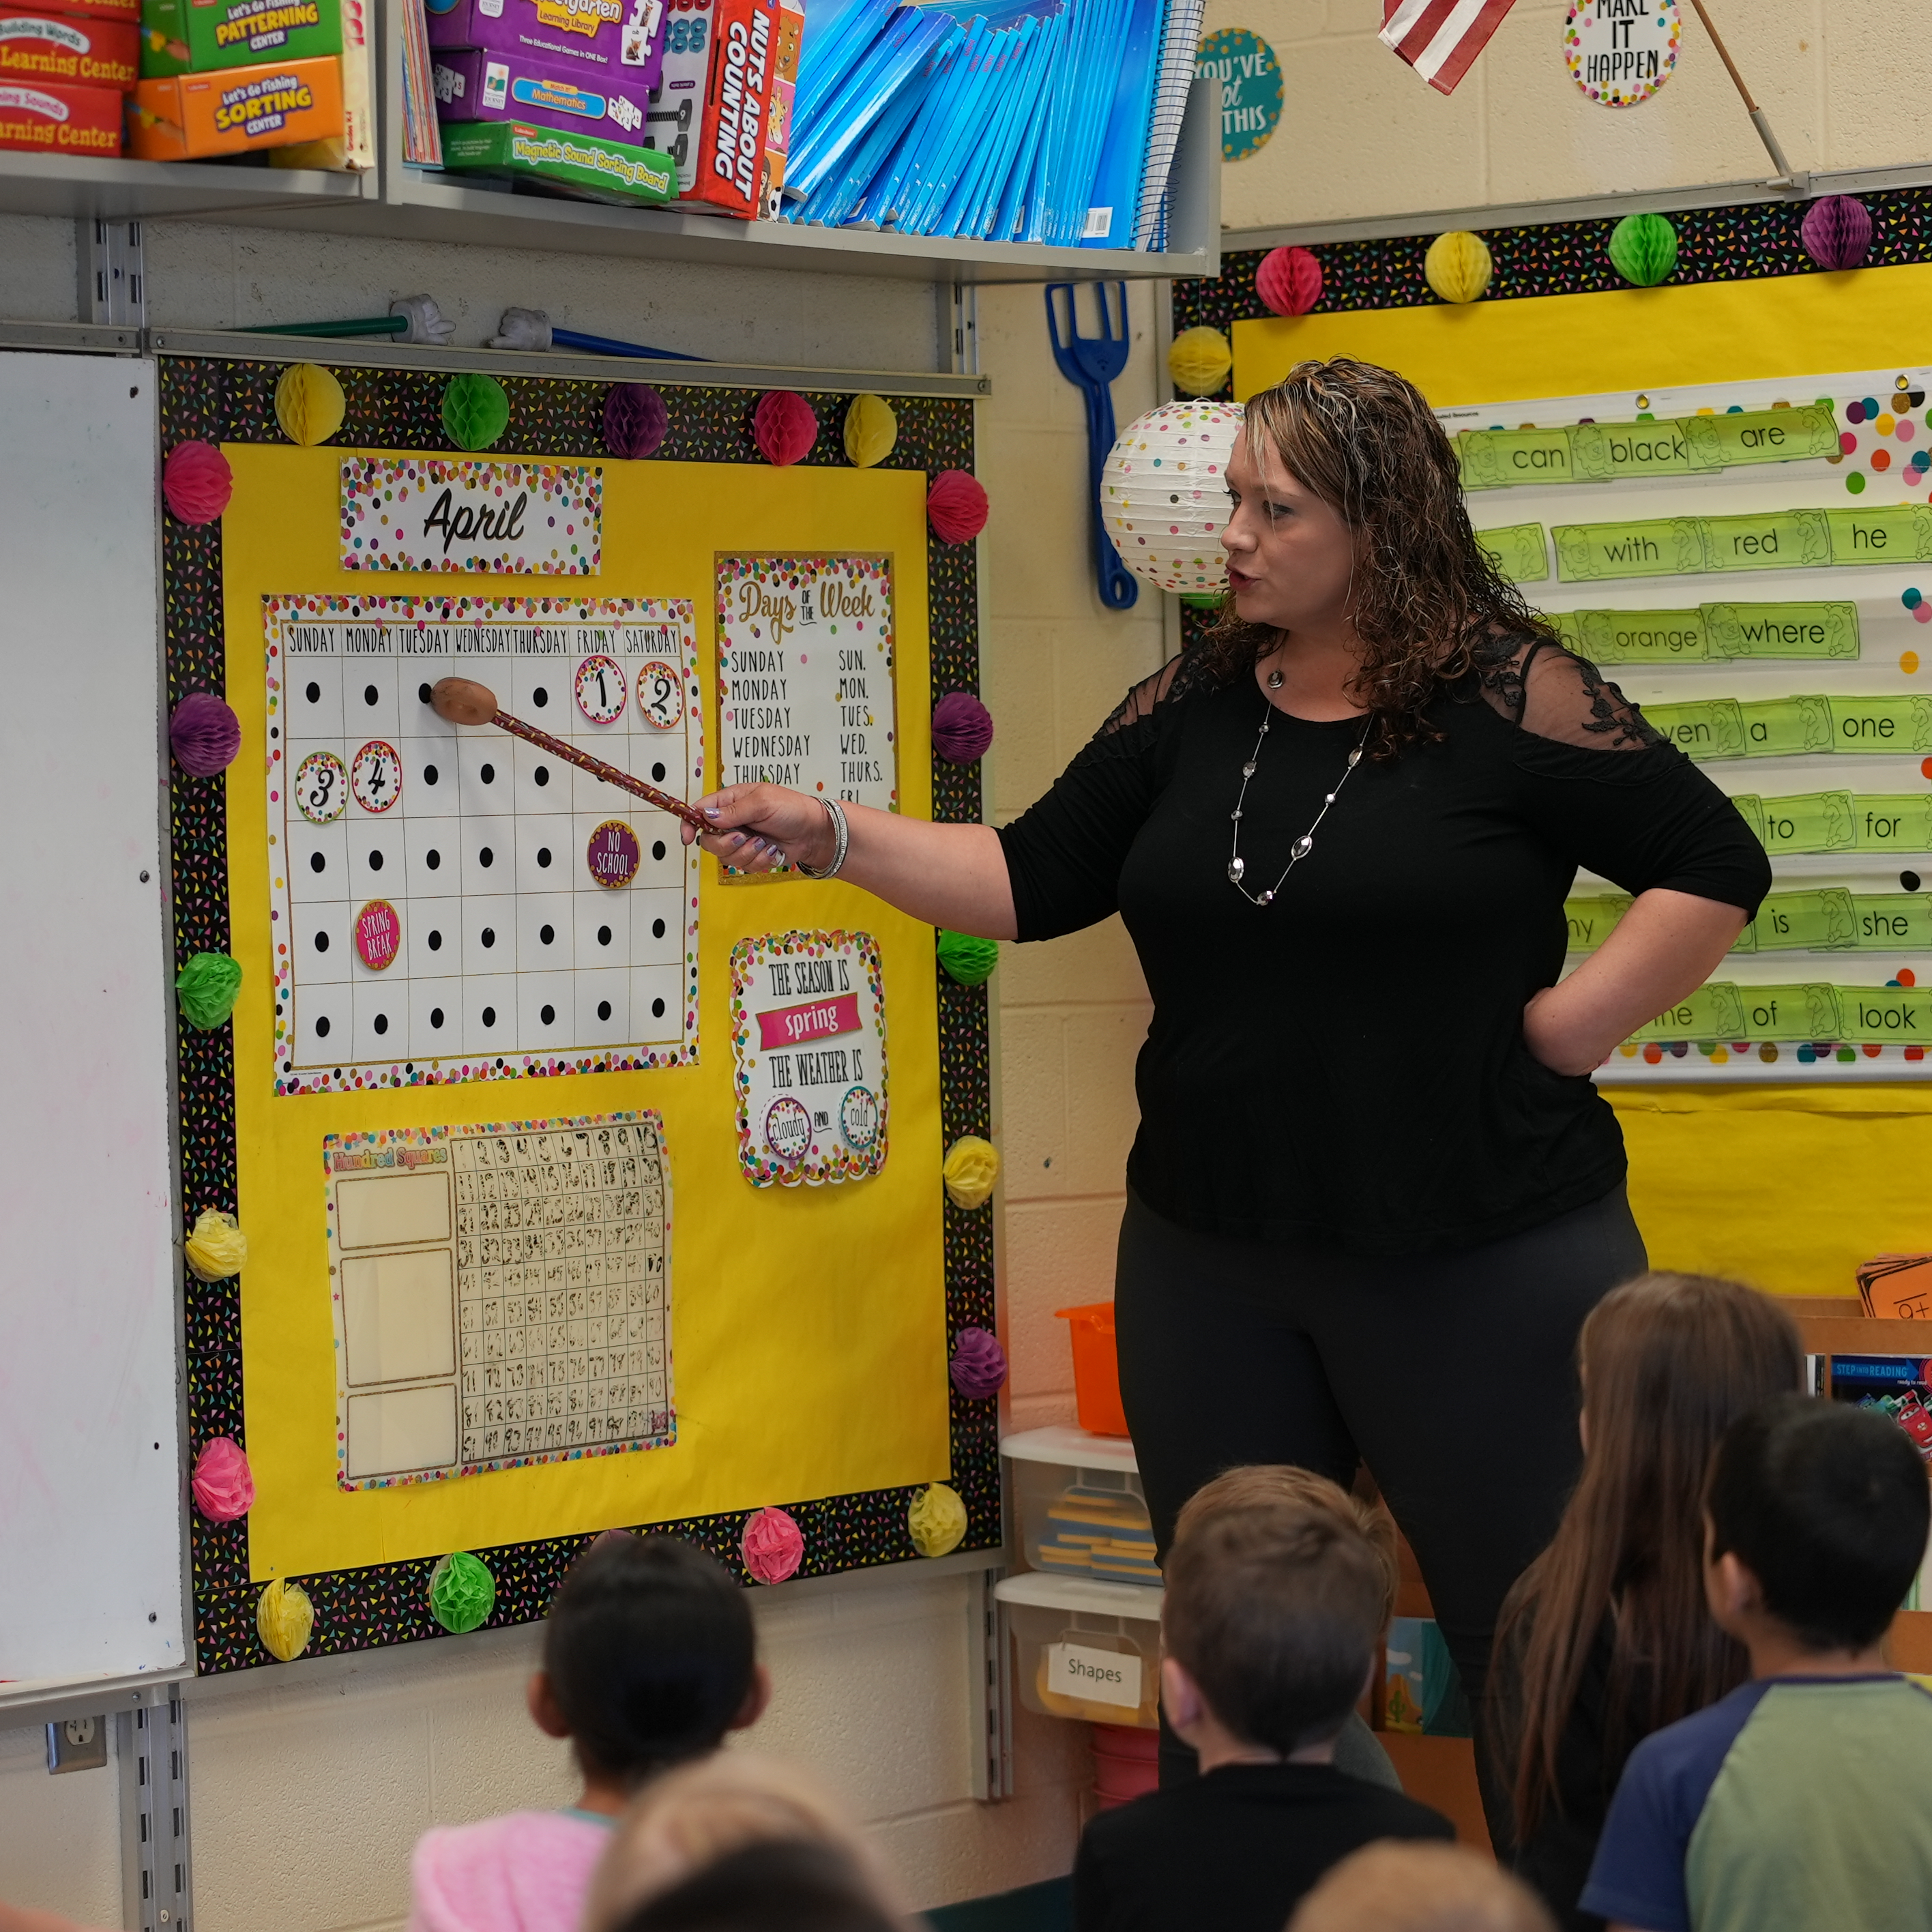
{"x": 474, "y": 84}
{"x": 187, "y": 117}
{"x": 581, "y": 165}
{"x": 77, "y": 53}
{"x": 49, "y": 118}
{"x": 198, "y": 36}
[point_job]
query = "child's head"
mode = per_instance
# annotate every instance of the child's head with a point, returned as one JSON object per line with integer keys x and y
{"x": 1273, "y": 1612}
{"x": 1251, "y": 1483}
{"x": 1412, "y": 1888}
{"x": 778, "y": 1886}
{"x": 686, "y": 1822}
{"x": 1668, "y": 1362}
{"x": 648, "y": 1657}
{"x": 1817, "y": 1514}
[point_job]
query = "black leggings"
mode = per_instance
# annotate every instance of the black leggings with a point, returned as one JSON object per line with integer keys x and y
{"x": 1452, "y": 1376}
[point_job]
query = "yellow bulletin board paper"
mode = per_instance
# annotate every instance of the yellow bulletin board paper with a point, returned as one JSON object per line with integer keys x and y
{"x": 809, "y": 1323}
{"x": 1618, "y": 339}
{"x": 1789, "y": 1187}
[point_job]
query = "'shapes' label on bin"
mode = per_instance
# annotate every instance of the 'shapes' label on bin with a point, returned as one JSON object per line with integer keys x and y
{"x": 1099, "y": 1676}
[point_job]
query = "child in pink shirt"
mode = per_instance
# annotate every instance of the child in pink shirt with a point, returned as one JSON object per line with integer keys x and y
{"x": 648, "y": 1661}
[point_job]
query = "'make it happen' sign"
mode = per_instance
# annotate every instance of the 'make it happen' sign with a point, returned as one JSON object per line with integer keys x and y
{"x": 448, "y": 514}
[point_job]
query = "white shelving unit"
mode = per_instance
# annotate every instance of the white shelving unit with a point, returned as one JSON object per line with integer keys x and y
{"x": 396, "y": 199}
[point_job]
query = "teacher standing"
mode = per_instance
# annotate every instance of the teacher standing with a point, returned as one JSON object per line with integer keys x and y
{"x": 1374, "y": 1191}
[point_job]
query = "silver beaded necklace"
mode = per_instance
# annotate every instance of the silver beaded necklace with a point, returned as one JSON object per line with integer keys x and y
{"x": 1303, "y": 846}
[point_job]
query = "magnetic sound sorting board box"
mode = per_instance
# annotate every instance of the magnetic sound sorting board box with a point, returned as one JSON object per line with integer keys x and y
{"x": 585, "y": 1183}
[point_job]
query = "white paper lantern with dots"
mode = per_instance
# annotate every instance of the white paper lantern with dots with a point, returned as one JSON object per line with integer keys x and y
{"x": 1164, "y": 494}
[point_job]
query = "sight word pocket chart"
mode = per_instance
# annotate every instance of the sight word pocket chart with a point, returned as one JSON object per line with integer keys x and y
{"x": 1752, "y": 563}
{"x": 809, "y": 1032}
{"x": 501, "y": 1296}
{"x": 453, "y": 903}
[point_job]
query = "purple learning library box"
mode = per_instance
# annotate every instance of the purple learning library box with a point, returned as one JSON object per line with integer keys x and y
{"x": 477, "y": 84}
{"x": 606, "y": 37}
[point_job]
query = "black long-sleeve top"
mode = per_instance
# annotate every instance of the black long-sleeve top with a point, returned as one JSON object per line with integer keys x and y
{"x": 1348, "y": 1062}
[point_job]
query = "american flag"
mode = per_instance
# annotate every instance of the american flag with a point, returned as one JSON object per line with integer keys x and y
{"x": 1441, "y": 38}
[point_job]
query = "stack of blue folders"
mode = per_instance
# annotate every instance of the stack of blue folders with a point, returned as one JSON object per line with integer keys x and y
{"x": 1043, "y": 121}
{"x": 1098, "y": 1533}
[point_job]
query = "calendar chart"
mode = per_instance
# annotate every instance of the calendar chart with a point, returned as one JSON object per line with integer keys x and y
{"x": 501, "y": 1296}
{"x": 450, "y": 903}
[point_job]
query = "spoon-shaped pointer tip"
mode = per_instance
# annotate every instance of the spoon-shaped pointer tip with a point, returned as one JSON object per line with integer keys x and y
{"x": 463, "y": 701}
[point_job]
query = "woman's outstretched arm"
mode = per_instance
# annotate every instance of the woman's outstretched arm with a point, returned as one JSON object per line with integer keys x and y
{"x": 952, "y": 875}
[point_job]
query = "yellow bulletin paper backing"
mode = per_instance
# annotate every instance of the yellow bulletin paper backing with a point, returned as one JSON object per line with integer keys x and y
{"x": 808, "y": 1324}
{"x": 1788, "y": 1187}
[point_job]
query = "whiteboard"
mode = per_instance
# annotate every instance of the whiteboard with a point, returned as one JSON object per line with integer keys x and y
{"x": 91, "y": 1486}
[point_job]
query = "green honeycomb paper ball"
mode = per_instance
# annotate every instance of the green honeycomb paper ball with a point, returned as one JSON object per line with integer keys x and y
{"x": 475, "y": 410}
{"x": 462, "y": 1592}
{"x": 207, "y": 987}
{"x": 1643, "y": 249}
{"x": 968, "y": 960}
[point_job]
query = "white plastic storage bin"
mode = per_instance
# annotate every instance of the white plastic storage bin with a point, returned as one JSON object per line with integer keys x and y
{"x": 1089, "y": 1651}
{"x": 1078, "y": 1502}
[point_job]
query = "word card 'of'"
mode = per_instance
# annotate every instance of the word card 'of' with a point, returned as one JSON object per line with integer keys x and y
{"x": 501, "y": 1296}
{"x": 450, "y": 903}
{"x": 808, "y": 1029}
{"x": 805, "y": 690}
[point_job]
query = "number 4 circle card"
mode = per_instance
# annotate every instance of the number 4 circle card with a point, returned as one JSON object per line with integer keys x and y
{"x": 809, "y": 1031}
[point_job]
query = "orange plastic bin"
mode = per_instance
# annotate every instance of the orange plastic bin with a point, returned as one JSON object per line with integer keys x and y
{"x": 1096, "y": 1368}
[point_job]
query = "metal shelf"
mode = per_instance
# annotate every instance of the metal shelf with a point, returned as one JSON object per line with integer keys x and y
{"x": 119, "y": 190}
{"x": 242, "y": 345}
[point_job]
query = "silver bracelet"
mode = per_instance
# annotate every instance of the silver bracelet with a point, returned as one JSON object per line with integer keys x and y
{"x": 842, "y": 838}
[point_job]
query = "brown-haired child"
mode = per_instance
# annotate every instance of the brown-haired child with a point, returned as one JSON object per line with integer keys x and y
{"x": 1271, "y": 1625}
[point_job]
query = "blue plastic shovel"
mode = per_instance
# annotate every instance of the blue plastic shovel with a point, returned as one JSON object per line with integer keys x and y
{"x": 1090, "y": 363}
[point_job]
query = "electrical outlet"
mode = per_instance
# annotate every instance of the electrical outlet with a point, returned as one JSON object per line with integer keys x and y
{"x": 80, "y": 1744}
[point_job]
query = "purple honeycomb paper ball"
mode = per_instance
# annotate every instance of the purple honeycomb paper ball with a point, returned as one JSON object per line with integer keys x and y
{"x": 204, "y": 734}
{"x": 979, "y": 1364}
{"x": 962, "y": 728}
{"x": 635, "y": 420}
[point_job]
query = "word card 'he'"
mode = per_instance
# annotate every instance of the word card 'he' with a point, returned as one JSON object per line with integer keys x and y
{"x": 808, "y": 1030}
{"x": 501, "y": 1295}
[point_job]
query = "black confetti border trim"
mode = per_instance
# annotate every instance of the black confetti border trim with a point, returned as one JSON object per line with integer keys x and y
{"x": 217, "y": 400}
{"x": 1750, "y": 242}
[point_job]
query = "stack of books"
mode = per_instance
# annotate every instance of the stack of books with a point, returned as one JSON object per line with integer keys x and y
{"x": 1053, "y": 121}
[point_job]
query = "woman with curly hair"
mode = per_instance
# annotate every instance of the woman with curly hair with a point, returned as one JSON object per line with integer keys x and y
{"x": 1374, "y": 1192}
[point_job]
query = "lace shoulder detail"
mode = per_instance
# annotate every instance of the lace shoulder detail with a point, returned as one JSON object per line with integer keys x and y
{"x": 1175, "y": 680}
{"x": 1552, "y": 693}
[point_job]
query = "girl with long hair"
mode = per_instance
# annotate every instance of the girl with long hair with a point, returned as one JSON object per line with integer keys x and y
{"x": 1606, "y": 1637}
{"x": 1373, "y": 1193}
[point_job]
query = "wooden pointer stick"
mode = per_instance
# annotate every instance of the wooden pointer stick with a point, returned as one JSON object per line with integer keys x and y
{"x": 463, "y": 701}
